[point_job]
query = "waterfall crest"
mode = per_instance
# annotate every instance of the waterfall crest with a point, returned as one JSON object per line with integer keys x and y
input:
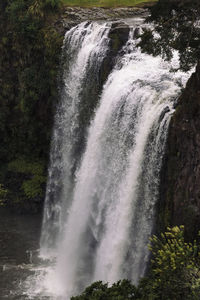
{"x": 100, "y": 211}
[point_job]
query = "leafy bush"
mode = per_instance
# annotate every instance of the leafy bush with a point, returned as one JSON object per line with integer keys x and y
{"x": 52, "y": 3}
{"x": 33, "y": 177}
{"x": 175, "y": 272}
{"x": 122, "y": 290}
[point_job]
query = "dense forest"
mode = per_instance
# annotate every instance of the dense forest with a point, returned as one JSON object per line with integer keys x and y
{"x": 30, "y": 49}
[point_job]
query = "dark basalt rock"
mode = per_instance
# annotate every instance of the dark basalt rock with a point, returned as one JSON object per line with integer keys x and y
{"x": 118, "y": 35}
{"x": 180, "y": 180}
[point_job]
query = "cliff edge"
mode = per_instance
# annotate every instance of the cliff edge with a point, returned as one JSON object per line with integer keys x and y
{"x": 180, "y": 188}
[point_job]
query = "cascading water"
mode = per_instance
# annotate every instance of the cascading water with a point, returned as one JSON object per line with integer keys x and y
{"x": 84, "y": 48}
{"x": 108, "y": 211}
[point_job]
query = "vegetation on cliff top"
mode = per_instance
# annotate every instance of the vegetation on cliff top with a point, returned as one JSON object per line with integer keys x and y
{"x": 104, "y": 3}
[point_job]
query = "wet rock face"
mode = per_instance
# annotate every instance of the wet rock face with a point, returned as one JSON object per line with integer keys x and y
{"x": 118, "y": 36}
{"x": 180, "y": 182}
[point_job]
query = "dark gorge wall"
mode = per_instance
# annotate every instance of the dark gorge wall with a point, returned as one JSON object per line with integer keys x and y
{"x": 179, "y": 189}
{"x": 29, "y": 60}
{"x": 180, "y": 181}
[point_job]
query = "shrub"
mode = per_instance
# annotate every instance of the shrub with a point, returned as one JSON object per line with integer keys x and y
{"x": 175, "y": 267}
{"x": 33, "y": 178}
{"x": 122, "y": 290}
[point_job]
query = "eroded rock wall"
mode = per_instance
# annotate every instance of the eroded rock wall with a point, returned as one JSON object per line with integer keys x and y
{"x": 180, "y": 180}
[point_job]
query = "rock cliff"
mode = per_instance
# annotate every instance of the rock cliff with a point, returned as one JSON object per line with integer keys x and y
{"x": 180, "y": 188}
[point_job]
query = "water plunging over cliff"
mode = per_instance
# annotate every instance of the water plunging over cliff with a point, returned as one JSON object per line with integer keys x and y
{"x": 84, "y": 48}
{"x": 99, "y": 212}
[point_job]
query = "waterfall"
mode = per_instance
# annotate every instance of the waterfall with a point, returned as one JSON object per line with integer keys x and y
{"x": 84, "y": 49}
{"x": 100, "y": 203}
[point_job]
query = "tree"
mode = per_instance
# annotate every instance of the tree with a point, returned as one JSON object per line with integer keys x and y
{"x": 175, "y": 266}
{"x": 122, "y": 290}
{"x": 177, "y": 28}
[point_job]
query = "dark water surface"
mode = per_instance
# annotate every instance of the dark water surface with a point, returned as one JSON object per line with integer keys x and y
{"x": 19, "y": 242}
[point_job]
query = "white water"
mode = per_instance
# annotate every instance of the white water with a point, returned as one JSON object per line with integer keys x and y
{"x": 110, "y": 215}
{"x": 84, "y": 48}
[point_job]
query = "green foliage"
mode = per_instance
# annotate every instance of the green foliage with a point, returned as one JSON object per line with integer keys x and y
{"x": 20, "y": 165}
{"x": 171, "y": 252}
{"x": 174, "y": 273}
{"x": 175, "y": 266}
{"x": 52, "y": 4}
{"x": 33, "y": 177}
{"x": 30, "y": 49}
{"x": 175, "y": 28}
{"x": 40, "y": 8}
{"x": 32, "y": 188}
{"x": 104, "y": 3}
{"x": 122, "y": 290}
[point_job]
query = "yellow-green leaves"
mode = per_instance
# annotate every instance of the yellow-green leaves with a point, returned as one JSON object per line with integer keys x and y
{"x": 174, "y": 264}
